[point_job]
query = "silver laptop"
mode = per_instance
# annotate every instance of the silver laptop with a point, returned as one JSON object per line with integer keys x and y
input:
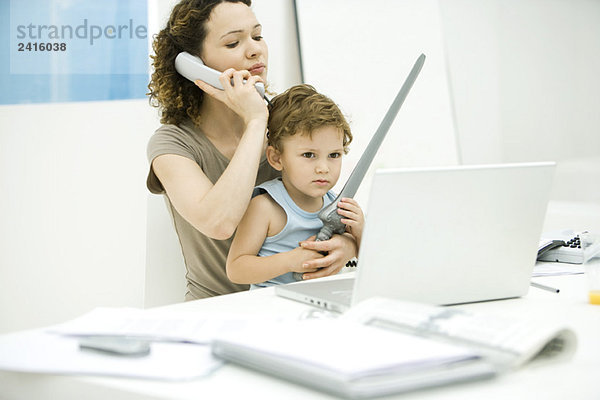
{"x": 445, "y": 235}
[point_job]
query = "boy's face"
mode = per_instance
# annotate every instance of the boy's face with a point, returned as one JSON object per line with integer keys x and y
{"x": 310, "y": 165}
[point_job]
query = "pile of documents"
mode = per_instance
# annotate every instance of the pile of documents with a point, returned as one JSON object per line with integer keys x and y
{"x": 378, "y": 347}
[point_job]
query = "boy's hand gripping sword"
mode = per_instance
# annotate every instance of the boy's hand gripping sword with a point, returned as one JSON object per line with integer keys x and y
{"x": 329, "y": 215}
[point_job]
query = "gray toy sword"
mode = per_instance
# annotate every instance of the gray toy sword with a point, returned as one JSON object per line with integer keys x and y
{"x": 331, "y": 219}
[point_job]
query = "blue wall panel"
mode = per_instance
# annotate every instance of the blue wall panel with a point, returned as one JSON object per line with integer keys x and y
{"x": 98, "y": 50}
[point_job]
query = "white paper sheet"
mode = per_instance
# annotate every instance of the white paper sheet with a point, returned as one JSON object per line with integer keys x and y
{"x": 554, "y": 269}
{"x": 346, "y": 348}
{"x": 42, "y": 352}
{"x": 171, "y": 326}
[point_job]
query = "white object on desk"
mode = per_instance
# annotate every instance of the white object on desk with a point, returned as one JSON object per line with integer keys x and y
{"x": 133, "y": 322}
{"x": 41, "y": 352}
{"x": 507, "y": 342}
{"x": 571, "y": 252}
{"x": 474, "y": 253}
{"x": 57, "y": 348}
{"x": 554, "y": 269}
{"x": 552, "y": 381}
{"x": 350, "y": 359}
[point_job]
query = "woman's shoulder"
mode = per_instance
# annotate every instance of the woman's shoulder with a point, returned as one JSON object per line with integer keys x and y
{"x": 183, "y": 139}
{"x": 172, "y": 131}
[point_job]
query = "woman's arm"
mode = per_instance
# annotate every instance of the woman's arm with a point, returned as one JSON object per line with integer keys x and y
{"x": 243, "y": 264}
{"x": 216, "y": 210}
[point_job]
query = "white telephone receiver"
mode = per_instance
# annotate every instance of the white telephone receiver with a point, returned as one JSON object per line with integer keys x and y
{"x": 192, "y": 68}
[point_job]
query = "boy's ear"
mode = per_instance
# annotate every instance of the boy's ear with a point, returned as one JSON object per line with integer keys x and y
{"x": 274, "y": 158}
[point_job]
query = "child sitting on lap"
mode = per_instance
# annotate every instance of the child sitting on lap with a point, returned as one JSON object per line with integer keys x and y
{"x": 308, "y": 135}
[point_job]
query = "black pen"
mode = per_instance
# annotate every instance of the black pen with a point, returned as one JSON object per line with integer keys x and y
{"x": 544, "y": 287}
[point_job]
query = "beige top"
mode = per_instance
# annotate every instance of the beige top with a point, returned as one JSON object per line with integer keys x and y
{"x": 204, "y": 257}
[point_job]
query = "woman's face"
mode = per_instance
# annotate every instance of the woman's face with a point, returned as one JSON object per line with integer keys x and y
{"x": 234, "y": 40}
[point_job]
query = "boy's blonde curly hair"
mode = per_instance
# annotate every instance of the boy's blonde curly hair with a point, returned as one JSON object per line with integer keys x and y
{"x": 301, "y": 109}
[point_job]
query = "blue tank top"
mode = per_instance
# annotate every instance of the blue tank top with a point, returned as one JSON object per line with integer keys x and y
{"x": 300, "y": 226}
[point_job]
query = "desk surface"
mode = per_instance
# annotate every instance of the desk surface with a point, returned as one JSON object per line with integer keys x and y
{"x": 576, "y": 378}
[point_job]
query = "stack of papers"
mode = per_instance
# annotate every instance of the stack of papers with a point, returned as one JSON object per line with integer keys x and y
{"x": 157, "y": 326}
{"x": 179, "y": 346}
{"x": 41, "y": 352}
{"x": 556, "y": 268}
{"x": 349, "y": 359}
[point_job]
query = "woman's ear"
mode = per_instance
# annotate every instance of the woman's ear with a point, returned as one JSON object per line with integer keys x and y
{"x": 274, "y": 158}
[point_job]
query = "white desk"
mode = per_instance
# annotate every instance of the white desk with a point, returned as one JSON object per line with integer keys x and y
{"x": 578, "y": 378}
{"x": 574, "y": 379}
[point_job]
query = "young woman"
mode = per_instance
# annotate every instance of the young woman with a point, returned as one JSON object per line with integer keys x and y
{"x": 210, "y": 151}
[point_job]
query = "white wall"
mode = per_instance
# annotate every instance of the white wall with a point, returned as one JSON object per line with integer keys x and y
{"x": 525, "y": 85}
{"x": 470, "y": 31}
{"x": 359, "y": 53}
{"x": 72, "y": 209}
{"x": 522, "y": 81}
{"x": 277, "y": 19}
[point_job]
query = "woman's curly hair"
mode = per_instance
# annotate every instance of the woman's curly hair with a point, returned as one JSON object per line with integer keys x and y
{"x": 178, "y": 98}
{"x": 301, "y": 109}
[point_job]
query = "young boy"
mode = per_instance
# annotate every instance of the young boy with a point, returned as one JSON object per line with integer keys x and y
{"x": 307, "y": 136}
